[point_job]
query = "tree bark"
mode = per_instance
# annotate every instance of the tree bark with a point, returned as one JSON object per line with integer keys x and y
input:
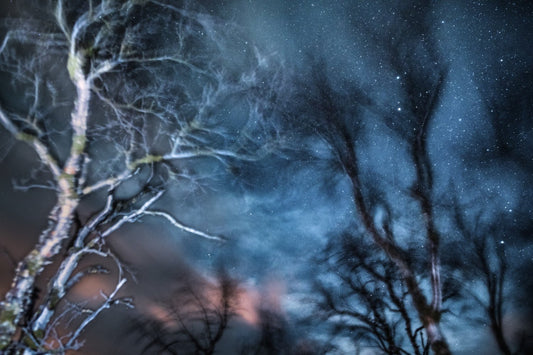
{"x": 426, "y": 313}
{"x": 17, "y": 303}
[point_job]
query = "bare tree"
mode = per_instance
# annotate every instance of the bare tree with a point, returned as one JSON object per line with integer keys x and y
{"x": 338, "y": 117}
{"x": 150, "y": 86}
{"x": 339, "y": 128}
{"x": 199, "y": 315}
{"x": 273, "y": 334}
{"x": 363, "y": 295}
{"x": 196, "y": 318}
{"x": 488, "y": 266}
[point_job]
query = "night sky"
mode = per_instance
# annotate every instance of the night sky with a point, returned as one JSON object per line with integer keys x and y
{"x": 278, "y": 213}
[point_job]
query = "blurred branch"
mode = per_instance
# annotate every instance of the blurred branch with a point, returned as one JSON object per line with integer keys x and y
{"x": 197, "y": 317}
{"x": 369, "y": 300}
{"x": 489, "y": 264}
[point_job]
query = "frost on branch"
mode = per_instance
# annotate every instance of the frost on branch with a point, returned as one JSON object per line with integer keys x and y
{"x": 118, "y": 100}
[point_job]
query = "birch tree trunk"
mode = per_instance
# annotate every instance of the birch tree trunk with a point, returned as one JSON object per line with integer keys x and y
{"x": 15, "y": 306}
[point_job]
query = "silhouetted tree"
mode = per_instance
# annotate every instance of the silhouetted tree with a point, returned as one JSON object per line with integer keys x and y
{"x": 273, "y": 338}
{"x": 195, "y": 319}
{"x": 338, "y": 112}
{"x": 484, "y": 263}
{"x": 341, "y": 133}
{"x": 275, "y": 335}
{"x": 364, "y": 296}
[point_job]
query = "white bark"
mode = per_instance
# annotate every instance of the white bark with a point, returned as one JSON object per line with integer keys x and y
{"x": 136, "y": 108}
{"x": 17, "y": 300}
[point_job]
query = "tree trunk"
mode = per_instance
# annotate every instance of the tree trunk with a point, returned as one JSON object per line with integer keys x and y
{"x": 436, "y": 338}
{"x": 426, "y": 313}
{"x": 17, "y": 303}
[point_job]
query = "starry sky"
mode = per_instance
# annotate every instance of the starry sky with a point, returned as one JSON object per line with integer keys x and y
{"x": 279, "y": 213}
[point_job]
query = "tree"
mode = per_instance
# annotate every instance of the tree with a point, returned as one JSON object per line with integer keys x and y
{"x": 199, "y": 314}
{"x": 196, "y": 318}
{"x": 488, "y": 267}
{"x": 273, "y": 334}
{"x": 158, "y": 95}
{"x": 363, "y": 295}
{"x": 338, "y": 128}
{"x": 412, "y": 57}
